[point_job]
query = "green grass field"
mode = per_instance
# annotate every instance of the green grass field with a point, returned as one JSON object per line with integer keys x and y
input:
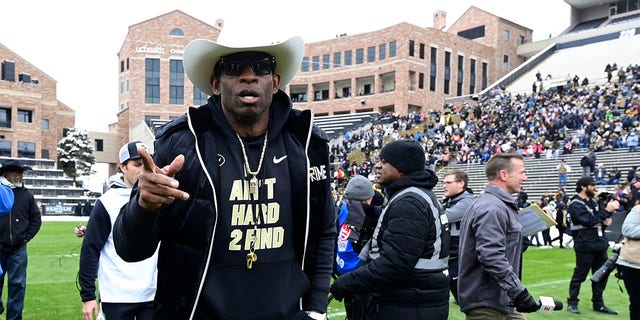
{"x": 54, "y": 255}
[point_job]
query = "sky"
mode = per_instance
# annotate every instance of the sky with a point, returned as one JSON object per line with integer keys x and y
{"x": 77, "y": 42}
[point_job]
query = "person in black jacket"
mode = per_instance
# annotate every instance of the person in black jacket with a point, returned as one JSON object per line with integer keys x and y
{"x": 406, "y": 270}
{"x": 17, "y": 228}
{"x": 588, "y": 221}
{"x": 237, "y": 194}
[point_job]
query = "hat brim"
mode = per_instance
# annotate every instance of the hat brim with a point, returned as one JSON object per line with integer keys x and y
{"x": 14, "y": 168}
{"x": 200, "y": 56}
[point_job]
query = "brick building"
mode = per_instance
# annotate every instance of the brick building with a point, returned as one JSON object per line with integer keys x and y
{"x": 32, "y": 120}
{"x": 406, "y": 68}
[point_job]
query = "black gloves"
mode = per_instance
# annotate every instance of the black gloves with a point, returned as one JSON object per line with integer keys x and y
{"x": 524, "y": 302}
{"x": 337, "y": 293}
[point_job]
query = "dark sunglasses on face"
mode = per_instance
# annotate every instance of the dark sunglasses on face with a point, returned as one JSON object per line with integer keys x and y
{"x": 235, "y": 66}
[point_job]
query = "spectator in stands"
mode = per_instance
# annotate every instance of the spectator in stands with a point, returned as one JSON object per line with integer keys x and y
{"x": 632, "y": 141}
{"x": 600, "y": 174}
{"x": 563, "y": 168}
{"x": 585, "y": 163}
{"x": 126, "y": 289}
{"x": 457, "y": 198}
{"x": 16, "y": 230}
{"x": 613, "y": 176}
{"x": 522, "y": 199}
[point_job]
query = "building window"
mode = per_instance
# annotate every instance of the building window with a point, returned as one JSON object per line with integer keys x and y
{"x": 359, "y": 56}
{"x": 25, "y": 116}
{"x": 122, "y": 66}
{"x": 505, "y": 63}
{"x": 447, "y": 72}
{"x": 176, "y": 32}
{"x": 326, "y": 61}
{"x": 315, "y": 66}
{"x": 128, "y": 85}
{"x": 44, "y": 124}
{"x": 99, "y": 145}
{"x": 485, "y": 75}
{"x": 121, "y": 87}
{"x": 199, "y": 97}
{"x": 5, "y": 148}
{"x": 382, "y": 51}
{"x": 421, "y": 80}
{"x": 421, "y": 53}
{"x": 392, "y": 49}
{"x": 337, "y": 59}
{"x": 305, "y": 64}
{"x": 460, "y": 75}
{"x": 472, "y": 76}
{"x": 433, "y": 69}
{"x": 506, "y": 35}
{"x": 9, "y": 71}
{"x": 152, "y": 81}
{"x": 412, "y": 45}
{"x": 5, "y": 117}
{"x": 522, "y": 40}
{"x": 371, "y": 54}
{"x": 176, "y": 82}
{"x": 149, "y": 119}
{"x": 44, "y": 154}
{"x": 348, "y": 57}
{"x": 26, "y": 150}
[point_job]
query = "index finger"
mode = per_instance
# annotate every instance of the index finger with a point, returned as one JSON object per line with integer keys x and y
{"x": 148, "y": 165}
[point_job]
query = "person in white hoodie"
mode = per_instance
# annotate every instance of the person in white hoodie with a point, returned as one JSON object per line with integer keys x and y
{"x": 126, "y": 289}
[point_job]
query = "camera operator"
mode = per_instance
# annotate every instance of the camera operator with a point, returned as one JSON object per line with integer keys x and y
{"x": 588, "y": 220}
{"x": 631, "y": 269}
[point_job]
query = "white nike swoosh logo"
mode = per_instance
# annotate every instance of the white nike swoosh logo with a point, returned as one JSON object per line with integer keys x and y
{"x": 278, "y": 160}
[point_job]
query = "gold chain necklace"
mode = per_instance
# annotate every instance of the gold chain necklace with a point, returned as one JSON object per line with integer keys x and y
{"x": 253, "y": 185}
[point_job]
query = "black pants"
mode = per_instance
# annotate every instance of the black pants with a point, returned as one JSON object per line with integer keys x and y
{"x": 128, "y": 311}
{"x": 584, "y": 263}
{"x": 453, "y": 278}
{"x": 631, "y": 277}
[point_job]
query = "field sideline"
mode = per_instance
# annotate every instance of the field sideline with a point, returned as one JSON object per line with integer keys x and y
{"x": 54, "y": 255}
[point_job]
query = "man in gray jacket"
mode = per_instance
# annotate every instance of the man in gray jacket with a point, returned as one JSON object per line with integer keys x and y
{"x": 489, "y": 285}
{"x": 457, "y": 198}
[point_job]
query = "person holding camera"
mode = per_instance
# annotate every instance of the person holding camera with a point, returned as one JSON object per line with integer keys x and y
{"x": 629, "y": 259}
{"x": 588, "y": 220}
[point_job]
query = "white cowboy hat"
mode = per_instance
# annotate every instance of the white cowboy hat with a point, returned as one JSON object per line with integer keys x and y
{"x": 201, "y": 55}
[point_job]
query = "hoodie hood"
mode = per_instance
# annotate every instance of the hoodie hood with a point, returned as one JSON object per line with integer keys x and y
{"x": 426, "y": 179}
{"x": 116, "y": 181}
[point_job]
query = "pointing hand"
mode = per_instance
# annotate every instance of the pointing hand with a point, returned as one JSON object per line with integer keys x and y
{"x": 156, "y": 185}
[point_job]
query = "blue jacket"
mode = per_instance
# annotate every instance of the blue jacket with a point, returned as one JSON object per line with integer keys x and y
{"x": 187, "y": 229}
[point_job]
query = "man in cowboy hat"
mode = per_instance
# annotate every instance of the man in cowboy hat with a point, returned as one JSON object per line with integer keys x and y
{"x": 237, "y": 194}
{"x": 17, "y": 228}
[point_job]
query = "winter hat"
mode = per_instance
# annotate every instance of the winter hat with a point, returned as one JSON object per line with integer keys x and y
{"x": 405, "y": 155}
{"x": 359, "y": 188}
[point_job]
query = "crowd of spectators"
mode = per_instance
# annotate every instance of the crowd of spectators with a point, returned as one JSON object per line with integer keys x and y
{"x": 537, "y": 124}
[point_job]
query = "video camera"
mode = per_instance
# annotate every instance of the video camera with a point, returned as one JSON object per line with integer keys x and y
{"x": 605, "y": 270}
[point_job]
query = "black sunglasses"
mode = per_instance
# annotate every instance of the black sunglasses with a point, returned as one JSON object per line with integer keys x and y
{"x": 235, "y": 66}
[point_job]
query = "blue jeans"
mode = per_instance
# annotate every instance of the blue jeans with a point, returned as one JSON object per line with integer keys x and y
{"x": 562, "y": 179}
{"x": 14, "y": 265}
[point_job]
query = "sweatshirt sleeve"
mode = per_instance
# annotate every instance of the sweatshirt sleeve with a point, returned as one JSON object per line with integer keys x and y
{"x": 96, "y": 235}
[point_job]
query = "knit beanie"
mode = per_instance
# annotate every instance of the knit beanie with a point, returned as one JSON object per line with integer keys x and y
{"x": 405, "y": 155}
{"x": 359, "y": 188}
